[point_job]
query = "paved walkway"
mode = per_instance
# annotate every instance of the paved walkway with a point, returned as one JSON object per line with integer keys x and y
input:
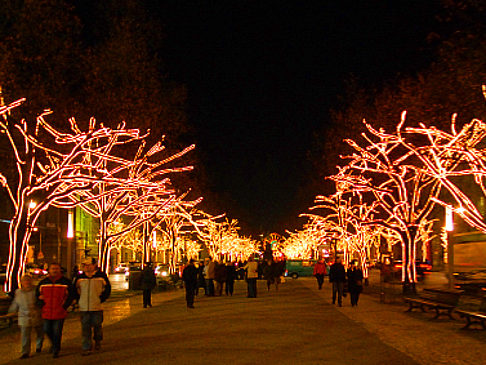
{"x": 297, "y": 325}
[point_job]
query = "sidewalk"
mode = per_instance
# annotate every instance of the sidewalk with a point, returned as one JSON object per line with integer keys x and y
{"x": 426, "y": 340}
{"x": 121, "y": 305}
{"x": 297, "y": 325}
{"x": 292, "y": 326}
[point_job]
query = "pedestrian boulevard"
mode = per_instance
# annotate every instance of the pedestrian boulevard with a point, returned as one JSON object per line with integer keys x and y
{"x": 296, "y": 325}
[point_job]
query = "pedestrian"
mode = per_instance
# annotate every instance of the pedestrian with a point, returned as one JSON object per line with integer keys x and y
{"x": 337, "y": 276}
{"x": 269, "y": 273}
{"x": 230, "y": 278}
{"x": 209, "y": 275}
{"x": 201, "y": 281}
{"x": 29, "y": 316}
{"x": 147, "y": 283}
{"x": 279, "y": 272}
{"x": 55, "y": 294}
{"x": 251, "y": 277}
{"x": 93, "y": 288}
{"x": 189, "y": 276}
{"x": 319, "y": 271}
{"x": 355, "y": 282}
{"x": 219, "y": 277}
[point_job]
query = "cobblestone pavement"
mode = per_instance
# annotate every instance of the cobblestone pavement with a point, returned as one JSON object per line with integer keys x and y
{"x": 296, "y": 325}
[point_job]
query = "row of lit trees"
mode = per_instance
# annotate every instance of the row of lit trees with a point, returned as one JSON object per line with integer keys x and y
{"x": 91, "y": 168}
{"x": 113, "y": 176}
{"x": 392, "y": 183}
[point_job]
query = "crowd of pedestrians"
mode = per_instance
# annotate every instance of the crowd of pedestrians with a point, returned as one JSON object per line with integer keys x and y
{"x": 217, "y": 277}
{"x": 43, "y": 309}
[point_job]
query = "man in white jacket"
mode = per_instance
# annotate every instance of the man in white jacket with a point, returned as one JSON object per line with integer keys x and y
{"x": 93, "y": 288}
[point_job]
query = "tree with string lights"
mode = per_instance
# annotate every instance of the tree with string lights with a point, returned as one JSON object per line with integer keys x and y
{"x": 386, "y": 171}
{"x": 173, "y": 225}
{"x": 345, "y": 218}
{"x": 143, "y": 195}
{"x": 53, "y": 166}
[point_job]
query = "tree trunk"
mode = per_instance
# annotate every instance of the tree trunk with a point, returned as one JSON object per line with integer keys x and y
{"x": 103, "y": 248}
{"x": 19, "y": 236}
{"x": 408, "y": 263}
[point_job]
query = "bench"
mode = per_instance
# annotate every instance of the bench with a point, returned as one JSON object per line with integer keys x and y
{"x": 473, "y": 308}
{"x": 443, "y": 301}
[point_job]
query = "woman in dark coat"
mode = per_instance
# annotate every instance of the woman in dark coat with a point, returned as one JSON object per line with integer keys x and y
{"x": 230, "y": 278}
{"x": 355, "y": 282}
{"x": 147, "y": 283}
{"x": 219, "y": 277}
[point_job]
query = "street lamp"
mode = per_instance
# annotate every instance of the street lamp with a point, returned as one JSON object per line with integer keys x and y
{"x": 449, "y": 227}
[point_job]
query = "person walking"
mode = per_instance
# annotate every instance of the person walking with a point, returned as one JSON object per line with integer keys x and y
{"x": 209, "y": 275}
{"x": 29, "y": 316}
{"x": 355, "y": 282}
{"x": 54, "y": 294}
{"x": 189, "y": 276}
{"x": 319, "y": 271}
{"x": 201, "y": 282}
{"x": 147, "y": 283}
{"x": 219, "y": 277}
{"x": 251, "y": 277}
{"x": 337, "y": 276}
{"x": 269, "y": 273}
{"x": 230, "y": 278}
{"x": 93, "y": 288}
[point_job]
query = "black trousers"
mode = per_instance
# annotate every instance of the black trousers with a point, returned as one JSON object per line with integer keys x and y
{"x": 230, "y": 284}
{"x": 354, "y": 294}
{"x": 320, "y": 280}
{"x": 190, "y": 295}
{"x": 147, "y": 298}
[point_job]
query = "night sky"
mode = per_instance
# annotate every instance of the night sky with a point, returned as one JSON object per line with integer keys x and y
{"x": 261, "y": 77}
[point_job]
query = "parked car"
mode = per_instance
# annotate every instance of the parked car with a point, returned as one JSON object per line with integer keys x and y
{"x": 133, "y": 266}
{"x": 121, "y": 268}
{"x": 162, "y": 270}
{"x": 36, "y": 271}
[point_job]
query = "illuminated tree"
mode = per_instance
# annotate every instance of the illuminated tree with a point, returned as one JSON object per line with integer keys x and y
{"x": 302, "y": 244}
{"x": 387, "y": 172}
{"x": 346, "y": 217}
{"x": 456, "y": 161}
{"x": 53, "y": 166}
{"x": 222, "y": 239}
{"x": 173, "y": 224}
{"x": 144, "y": 193}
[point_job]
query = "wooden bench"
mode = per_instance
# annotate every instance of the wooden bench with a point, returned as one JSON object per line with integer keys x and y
{"x": 443, "y": 301}
{"x": 473, "y": 308}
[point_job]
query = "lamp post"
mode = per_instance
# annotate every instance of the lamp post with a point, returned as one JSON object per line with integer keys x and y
{"x": 449, "y": 227}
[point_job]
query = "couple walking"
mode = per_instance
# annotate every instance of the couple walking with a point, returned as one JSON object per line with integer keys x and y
{"x": 338, "y": 277}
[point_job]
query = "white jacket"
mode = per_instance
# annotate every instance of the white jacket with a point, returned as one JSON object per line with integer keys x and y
{"x": 25, "y": 303}
{"x": 92, "y": 291}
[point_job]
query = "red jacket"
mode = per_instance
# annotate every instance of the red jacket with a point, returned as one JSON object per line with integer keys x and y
{"x": 57, "y": 296}
{"x": 320, "y": 268}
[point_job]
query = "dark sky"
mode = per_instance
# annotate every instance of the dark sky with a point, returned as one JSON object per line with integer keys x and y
{"x": 261, "y": 77}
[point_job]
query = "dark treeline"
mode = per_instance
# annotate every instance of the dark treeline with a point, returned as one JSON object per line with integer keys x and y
{"x": 451, "y": 83}
{"x": 89, "y": 58}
